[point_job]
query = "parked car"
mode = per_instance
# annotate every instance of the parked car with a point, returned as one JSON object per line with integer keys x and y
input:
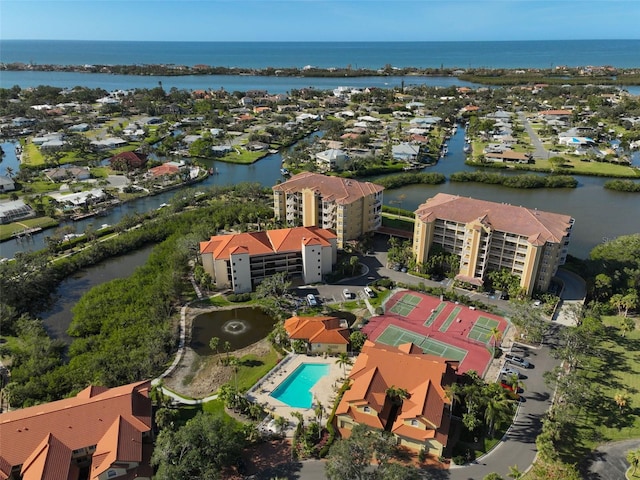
{"x": 311, "y": 300}
{"x": 369, "y": 293}
{"x": 347, "y": 294}
{"x": 507, "y": 372}
{"x": 516, "y": 360}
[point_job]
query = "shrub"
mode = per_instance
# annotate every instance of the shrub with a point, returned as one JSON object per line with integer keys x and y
{"x": 239, "y": 297}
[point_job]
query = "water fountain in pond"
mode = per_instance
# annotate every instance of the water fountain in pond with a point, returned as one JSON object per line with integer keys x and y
{"x": 240, "y": 327}
{"x": 235, "y": 327}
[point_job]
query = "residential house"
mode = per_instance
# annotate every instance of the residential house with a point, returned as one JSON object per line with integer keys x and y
{"x": 322, "y": 334}
{"x": 241, "y": 261}
{"x": 67, "y": 173}
{"x": 127, "y": 161}
{"x": 332, "y": 159}
{"x": 489, "y": 236}
{"x": 348, "y": 207}
{"x": 405, "y": 152}
{"x": 101, "y": 433}
{"x": 421, "y": 420}
{"x": 14, "y": 210}
{"x": 507, "y": 156}
{"x": 6, "y": 184}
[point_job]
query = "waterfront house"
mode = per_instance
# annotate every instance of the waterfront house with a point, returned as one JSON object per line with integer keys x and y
{"x": 127, "y": 161}
{"x": 420, "y": 419}
{"x": 14, "y": 210}
{"x": 405, "y": 152}
{"x": 331, "y": 159}
{"x": 6, "y": 184}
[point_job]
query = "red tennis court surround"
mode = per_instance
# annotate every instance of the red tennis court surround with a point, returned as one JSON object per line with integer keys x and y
{"x": 462, "y": 327}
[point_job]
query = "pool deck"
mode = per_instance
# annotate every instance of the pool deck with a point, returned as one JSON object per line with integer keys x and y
{"x": 324, "y": 390}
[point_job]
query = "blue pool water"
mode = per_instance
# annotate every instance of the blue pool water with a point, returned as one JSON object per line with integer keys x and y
{"x": 295, "y": 391}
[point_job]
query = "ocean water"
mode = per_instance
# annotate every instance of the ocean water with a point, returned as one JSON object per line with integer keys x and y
{"x": 369, "y": 55}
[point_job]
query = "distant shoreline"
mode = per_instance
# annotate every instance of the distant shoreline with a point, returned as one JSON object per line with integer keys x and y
{"x": 602, "y": 75}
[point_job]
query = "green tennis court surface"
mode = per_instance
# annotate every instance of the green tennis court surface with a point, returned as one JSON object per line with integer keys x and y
{"x": 395, "y": 336}
{"x": 434, "y": 314}
{"x": 452, "y": 316}
{"x": 481, "y": 330}
{"x": 411, "y": 299}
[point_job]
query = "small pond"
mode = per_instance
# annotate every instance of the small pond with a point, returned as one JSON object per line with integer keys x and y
{"x": 240, "y": 327}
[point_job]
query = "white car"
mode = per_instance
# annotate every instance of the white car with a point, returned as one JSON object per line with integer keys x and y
{"x": 516, "y": 360}
{"x": 507, "y": 372}
{"x": 311, "y": 300}
{"x": 369, "y": 293}
{"x": 347, "y": 294}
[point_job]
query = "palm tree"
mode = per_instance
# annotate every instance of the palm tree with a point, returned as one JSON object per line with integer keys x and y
{"x": 214, "y": 343}
{"x": 397, "y": 394}
{"x": 453, "y": 393}
{"x": 633, "y": 457}
{"x": 496, "y": 412}
{"x": 281, "y": 424}
{"x": 515, "y": 473}
{"x": 343, "y": 360}
{"x": 318, "y": 412}
{"x": 621, "y": 399}
{"x": 496, "y": 336}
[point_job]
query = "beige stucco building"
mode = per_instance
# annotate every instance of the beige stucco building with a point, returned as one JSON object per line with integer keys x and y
{"x": 348, "y": 207}
{"x": 241, "y": 261}
{"x": 487, "y": 236}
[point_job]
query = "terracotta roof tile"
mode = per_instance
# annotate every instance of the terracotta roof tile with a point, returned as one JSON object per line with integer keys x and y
{"x": 77, "y": 422}
{"x": 340, "y": 190}
{"x": 317, "y": 330}
{"x": 379, "y": 367}
{"x": 537, "y": 225}
{"x": 266, "y": 242}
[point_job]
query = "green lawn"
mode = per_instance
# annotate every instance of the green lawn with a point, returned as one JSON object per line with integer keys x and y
{"x": 242, "y": 156}
{"x": 390, "y": 220}
{"x": 614, "y": 369}
{"x": 253, "y": 368}
{"x": 10, "y": 228}
{"x": 575, "y": 166}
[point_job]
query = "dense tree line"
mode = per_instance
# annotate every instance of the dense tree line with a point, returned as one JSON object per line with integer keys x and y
{"x": 516, "y": 181}
{"x": 622, "y": 185}
{"x": 400, "y": 179}
{"x": 121, "y": 329}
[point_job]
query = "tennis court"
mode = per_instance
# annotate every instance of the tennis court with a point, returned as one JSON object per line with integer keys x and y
{"x": 481, "y": 329}
{"x": 395, "y": 336}
{"x": 452, "y": 316}
{"x": 434, "y": 314}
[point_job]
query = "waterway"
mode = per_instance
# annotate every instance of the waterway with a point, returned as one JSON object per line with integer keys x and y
{"x": 600, "y": 214}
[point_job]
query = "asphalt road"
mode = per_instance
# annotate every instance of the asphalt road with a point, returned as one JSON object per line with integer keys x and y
{"x": 609, "y": 462}
{"x": 518, "y": 445}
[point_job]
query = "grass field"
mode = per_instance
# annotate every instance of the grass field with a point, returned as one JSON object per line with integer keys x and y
{"x": 614, "y": 368}
{"x": 10, "y": 228}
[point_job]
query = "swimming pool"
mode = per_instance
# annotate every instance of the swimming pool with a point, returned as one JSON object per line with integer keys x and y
{"x": 295, "y": 391}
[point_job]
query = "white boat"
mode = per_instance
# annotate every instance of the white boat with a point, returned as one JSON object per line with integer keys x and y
{"x": 467, "y": 148}
{"x": 284, "y": 171}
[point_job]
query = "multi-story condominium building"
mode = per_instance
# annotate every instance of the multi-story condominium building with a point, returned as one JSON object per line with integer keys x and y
{"x": 241, "y": 261}
{"x": 487, "y": 236}
{"x": 420, "y": 421}
{"x": 100, "y": 433}
{"x": 348, "y": 207}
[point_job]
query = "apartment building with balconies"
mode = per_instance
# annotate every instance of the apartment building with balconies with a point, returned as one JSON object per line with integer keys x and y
{"x": 348, "y": 207}
{"x": 487, "y": 236}
{"x": 241, "y": 261}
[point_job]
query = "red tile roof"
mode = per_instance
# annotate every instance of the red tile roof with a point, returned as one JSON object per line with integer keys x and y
{"x": 266, "y": 242}
{"x": 536, "y": 225}
{"x": 334, "y": 189}
{"x": 317, "y": 330}
{"x": 379, "y": 367}
{"x": 75, "y": 422}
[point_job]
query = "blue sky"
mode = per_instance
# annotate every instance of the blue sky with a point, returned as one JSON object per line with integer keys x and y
{"x": 315, "y": 20}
